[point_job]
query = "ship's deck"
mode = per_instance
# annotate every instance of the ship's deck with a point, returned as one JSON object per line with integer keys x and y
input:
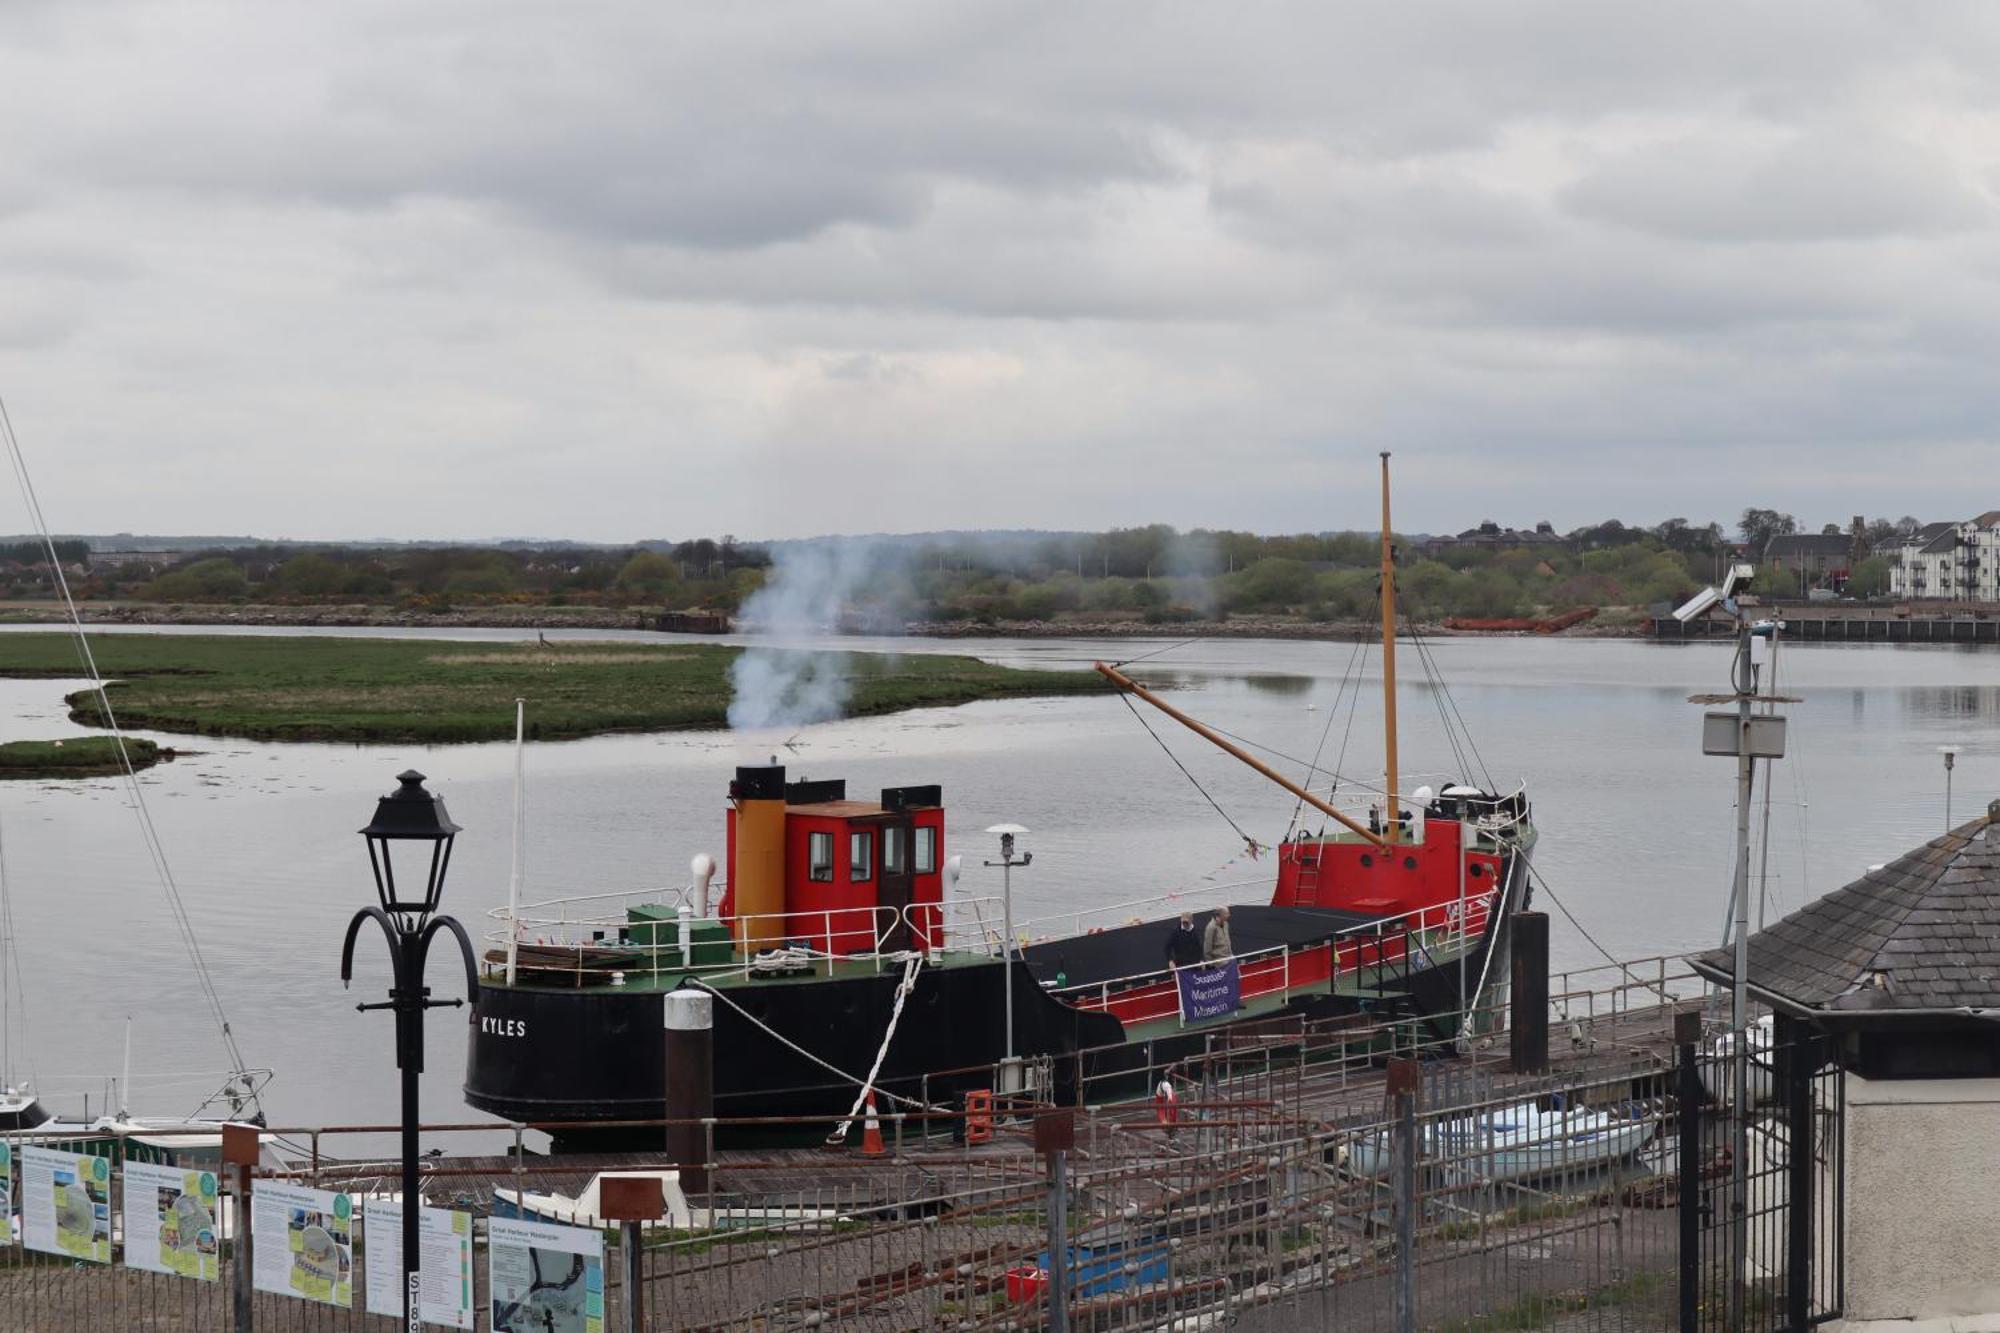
{"x": 1133, "y": 950}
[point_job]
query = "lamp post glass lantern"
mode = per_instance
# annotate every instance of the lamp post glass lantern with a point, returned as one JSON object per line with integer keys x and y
{"x": 1950, "y": 753}
{"x": 409, "y": 922}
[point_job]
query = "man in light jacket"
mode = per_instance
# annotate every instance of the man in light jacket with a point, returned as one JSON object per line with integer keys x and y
{"x": 1215, "y": 945}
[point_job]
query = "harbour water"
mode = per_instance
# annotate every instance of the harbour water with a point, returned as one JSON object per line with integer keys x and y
{"x": 261, "y": 837}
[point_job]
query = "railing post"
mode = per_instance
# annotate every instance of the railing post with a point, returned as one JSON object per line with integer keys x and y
{"x": 1055, "y": 1135}
{"x": 1796, "y": 1049}
{"x": 240, "y": 1278}
{"x": 1687, "y": 1103}
{"x": 1404, "y": 1080}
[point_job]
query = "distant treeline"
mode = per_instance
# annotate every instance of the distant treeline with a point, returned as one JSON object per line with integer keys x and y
{"x": 34, "y": 553}
{"x": 696, "y": 573}
{"x": 1155, "y": 574}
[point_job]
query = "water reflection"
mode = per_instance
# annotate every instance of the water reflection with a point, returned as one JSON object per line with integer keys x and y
{"x": 261, "y": 836}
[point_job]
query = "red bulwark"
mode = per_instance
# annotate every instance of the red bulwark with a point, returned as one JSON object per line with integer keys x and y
{"x": 1381, "y": 881}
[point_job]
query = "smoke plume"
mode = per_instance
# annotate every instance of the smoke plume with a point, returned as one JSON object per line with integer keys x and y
{"x": 808, "y": 588}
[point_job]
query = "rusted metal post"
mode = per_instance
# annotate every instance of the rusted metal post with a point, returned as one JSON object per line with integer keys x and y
{"x": 631, "y": 1201}
{"x": 1688, "y": 1097}
{"x": 1405, "y": 1077}
{"x": 241, "y": 1146}
{"x": 1055, "y": 1135}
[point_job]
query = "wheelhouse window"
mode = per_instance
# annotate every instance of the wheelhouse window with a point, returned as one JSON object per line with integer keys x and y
{"x": 892, "y": 851}
{"x": 860, "y": 856}
{"x": 819, "y": 857}
{"x": 926, "y": 851}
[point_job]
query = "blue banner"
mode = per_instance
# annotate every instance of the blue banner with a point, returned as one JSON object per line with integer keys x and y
{"x": 1209, "y": 992}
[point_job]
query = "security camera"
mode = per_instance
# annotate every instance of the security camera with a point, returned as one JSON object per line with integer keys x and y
{"x": 1738, "y": 580}
{"x": 1698, "y": 605}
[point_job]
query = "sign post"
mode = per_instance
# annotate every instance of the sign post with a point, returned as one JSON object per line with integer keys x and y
{"x": 629, "y": 1201}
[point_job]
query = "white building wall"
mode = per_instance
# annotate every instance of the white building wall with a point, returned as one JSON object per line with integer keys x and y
{"x": 1922, "y": 1226}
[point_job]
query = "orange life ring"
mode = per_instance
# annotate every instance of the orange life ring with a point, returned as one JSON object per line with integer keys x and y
{"x": 1166, "y": 1104}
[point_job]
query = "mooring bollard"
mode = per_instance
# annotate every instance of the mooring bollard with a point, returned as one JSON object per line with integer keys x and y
{"x": 689, "y": 1017}
{"x": 1528, "y": 1025}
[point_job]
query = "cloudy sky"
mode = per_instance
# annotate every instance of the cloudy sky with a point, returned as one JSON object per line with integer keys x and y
{"x": 631, "y": 269}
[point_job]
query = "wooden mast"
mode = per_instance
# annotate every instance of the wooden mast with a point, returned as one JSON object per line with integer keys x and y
{"x": 1130, "y": 686}
{"x": 1394, "y": 804}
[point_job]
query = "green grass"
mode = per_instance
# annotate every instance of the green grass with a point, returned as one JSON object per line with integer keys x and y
{"x": 1541, "y": 1309}
{"x": 78, "y": 757}
{"x": 290, "y": 688}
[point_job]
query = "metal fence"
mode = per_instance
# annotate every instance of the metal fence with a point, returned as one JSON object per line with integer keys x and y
{"x": 1452, "y": 1196}
{"x": 1761, "y": 1243}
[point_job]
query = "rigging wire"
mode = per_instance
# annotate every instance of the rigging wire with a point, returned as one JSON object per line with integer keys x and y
{"x": 1312, "y": 769}
{"x": 1423, "y": 650}
{"x": 1542, "y": 881}
{"x": 1353, "y": 710}
{"x": 13, "y": 993}
{"x": 155, "y": 849}
{"x": 1249, "y": 842}
{"x": 1172, "y": 647}
{"x": 1437, "y": 698}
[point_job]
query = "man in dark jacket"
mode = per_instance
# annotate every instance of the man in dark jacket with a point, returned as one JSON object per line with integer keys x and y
{"x": 1184, "y": 945}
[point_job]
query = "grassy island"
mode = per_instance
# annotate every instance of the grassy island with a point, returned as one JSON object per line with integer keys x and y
{"x": 77, "y": 757}
{"x": 361, "y": 689}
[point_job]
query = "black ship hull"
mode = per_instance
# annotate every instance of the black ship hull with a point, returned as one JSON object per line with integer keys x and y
{"x": 580, "y": 1061}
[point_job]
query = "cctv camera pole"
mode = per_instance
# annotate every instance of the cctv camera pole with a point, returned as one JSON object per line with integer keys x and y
{"x": 1745, "y": 672}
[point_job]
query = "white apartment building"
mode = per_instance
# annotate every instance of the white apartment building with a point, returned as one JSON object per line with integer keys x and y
{"x": 1950, "y": 562}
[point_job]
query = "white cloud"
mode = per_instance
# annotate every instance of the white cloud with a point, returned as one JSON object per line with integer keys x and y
{"x": 466, "y": 269}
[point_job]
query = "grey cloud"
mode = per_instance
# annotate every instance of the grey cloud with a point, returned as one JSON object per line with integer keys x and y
{"x": 1830, "y": 183}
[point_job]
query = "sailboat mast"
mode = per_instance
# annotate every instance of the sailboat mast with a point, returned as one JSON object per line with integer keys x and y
{"x": 1389, "y": 659}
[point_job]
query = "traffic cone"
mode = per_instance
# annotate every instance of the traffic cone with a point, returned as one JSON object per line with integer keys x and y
{"x": 871, "y": 1132}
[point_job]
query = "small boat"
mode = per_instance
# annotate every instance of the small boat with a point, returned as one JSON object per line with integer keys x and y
{"x": 1513, "y": 1143}
{"x": 677, "y": 1215}
{"x": 1720, "y": 1083}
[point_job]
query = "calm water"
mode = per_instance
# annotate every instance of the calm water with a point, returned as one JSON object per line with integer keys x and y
{"x": 1636, "y": 824}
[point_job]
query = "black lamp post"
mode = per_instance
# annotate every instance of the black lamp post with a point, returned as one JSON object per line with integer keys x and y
{"x": 409, "y": 814}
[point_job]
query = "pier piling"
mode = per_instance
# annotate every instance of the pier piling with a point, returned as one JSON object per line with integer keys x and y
{"x": 690, "y": 1091}
{"x": 1528, "y": 1024}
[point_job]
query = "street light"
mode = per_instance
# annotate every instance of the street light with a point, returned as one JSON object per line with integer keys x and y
{"x": 1007, "y": 862}
{"x": 1950, "y": 753}
{"x": 409, "y": 814}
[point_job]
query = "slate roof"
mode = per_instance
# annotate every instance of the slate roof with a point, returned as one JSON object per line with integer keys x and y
{"x": 1921, "y": 933}
{"x": 1944, "y": 539}
{"x": 1810, "y": 543}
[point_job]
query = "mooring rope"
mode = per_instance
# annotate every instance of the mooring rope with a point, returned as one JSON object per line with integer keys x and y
{"x": 903, "y": 989}
{"x": 797, "y": 1049}
{"x": 1249, "y": 843}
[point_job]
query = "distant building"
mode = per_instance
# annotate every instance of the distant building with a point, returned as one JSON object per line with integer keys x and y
{"x": 1950, "y": 562}
{"x": 1490, "y": 536}
{"x": 121, "y": 559}
{"x": 1821, "y": 560}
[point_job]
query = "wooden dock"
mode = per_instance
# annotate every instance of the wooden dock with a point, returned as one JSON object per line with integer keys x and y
{"x": 1836, "y": 624}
